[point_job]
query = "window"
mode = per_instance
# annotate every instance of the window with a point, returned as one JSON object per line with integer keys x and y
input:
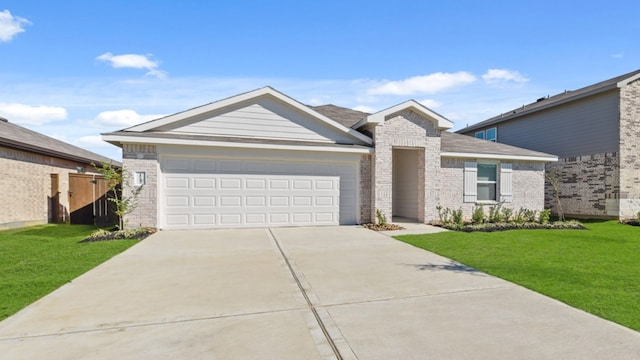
{"x": 480, "y": 135}
{"x": 139, "y": 178}
{"x": 487, "y": 182}
{"x": 492, "y": 134}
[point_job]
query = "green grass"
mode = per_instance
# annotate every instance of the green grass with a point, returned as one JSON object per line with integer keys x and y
{"x": 34, "y": 261}
{"x": 597, "y": 270}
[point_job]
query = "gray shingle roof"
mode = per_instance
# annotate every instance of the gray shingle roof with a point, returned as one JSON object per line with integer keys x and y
{"x": 457, "y": 143}
{"x": 12, "y": 135}
{"x": 346, "y": 117}
{"x": 554, "y": 100}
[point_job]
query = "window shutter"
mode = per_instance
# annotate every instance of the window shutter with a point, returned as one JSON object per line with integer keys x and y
{"x": 506, "y": 182}
{"x": 470, "y": 181}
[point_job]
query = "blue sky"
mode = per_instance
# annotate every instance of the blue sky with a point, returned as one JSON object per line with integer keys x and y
{"x": 73, "y": 69}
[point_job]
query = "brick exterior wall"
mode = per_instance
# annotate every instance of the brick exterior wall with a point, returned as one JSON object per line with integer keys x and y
{"x": 406, "y": 129}
{"x": 366, "y": 177}
{"x": 137, "y": 157}
{"x": 629, "y": 203}
{"x": 527, "y": 181}
{"x": 26, "y": 183}
{"x": 589, "y": 185}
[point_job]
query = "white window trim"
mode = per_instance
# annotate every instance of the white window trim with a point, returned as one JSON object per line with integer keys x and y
{"x": 479, "y": 132}
{"x": 486, "y": 136}
{"x": 497, "y": 182}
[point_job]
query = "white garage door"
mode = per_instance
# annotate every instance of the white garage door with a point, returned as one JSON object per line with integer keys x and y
{"x": 209, "y": 193}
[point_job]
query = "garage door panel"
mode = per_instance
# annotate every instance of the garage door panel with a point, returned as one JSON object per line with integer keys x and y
{"x": 255, "y": 201}
{"x": 232, "y": 193}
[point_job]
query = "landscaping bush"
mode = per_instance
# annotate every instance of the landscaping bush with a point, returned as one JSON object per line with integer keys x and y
{"x": 127, "y": 234}
{"x": 501, "y": 219}
{"x": 478, "y": 214}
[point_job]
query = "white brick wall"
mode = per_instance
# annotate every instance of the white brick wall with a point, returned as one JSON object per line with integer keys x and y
{"x": 138, "y": 157}
{"x": 528, "y": 185}
{"x": 406, "y": 129}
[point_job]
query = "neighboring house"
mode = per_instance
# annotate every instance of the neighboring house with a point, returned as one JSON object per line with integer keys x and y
{"x": 263, "y": 159}
{"x": 47, "y": 180}
{"x": 595, "y": 131}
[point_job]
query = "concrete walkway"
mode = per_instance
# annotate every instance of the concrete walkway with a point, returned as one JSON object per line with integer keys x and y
{"x": 300, "y": 293}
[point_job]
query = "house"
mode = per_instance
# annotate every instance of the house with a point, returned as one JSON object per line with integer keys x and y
{"x": 47, "y": 180}
{"x": 594, "y": 131}
{"x": 264, "y": 159}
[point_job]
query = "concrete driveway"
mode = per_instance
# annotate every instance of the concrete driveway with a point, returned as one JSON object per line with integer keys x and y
{"x": 300, "y": 293}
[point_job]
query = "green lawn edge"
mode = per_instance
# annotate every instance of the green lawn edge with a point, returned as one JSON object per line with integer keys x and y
{"x": 35, "y": 261}
{"x": 596, "y": 270}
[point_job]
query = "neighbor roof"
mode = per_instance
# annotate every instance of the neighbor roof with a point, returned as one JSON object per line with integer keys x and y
{"x": 567, "y": 96}
{"x": 14, "y": 136}
{"x": 457, "y": 145}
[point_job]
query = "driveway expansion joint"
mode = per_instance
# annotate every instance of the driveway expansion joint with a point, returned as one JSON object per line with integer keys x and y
{"x": 311, "y": 306}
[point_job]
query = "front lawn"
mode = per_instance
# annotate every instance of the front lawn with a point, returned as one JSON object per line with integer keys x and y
{"x": 35, "y": 261}
{"x": 597, "y": 270}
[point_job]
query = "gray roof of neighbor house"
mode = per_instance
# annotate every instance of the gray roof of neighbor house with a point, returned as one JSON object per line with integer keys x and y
{"x": 15, "y": 136}
{"x": 457, "y": 143}
{"x": 344, "y": 116}
{"x": 547, "y": 102}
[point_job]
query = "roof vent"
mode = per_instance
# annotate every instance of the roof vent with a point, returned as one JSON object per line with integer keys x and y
{"x": 3, "y": 119}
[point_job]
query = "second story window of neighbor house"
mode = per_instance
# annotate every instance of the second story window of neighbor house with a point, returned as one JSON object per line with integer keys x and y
{"x": 489, "y": 134}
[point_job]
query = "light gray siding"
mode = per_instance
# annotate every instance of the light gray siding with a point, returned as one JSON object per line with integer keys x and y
{"x": 583, "y": 127}
{"x": 262, "y": 118}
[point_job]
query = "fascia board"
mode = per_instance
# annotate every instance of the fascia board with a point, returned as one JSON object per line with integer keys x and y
{"x": 628, "y": 80}
{"x": 168, "y": 141}
{"x": 499, "y": 156}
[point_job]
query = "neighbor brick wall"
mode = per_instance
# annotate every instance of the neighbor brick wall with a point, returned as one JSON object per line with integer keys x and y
{"x": 629, "y": 203}
{"x": 527, "y": 185}
{"x": 139, "y": 157}
{"x": 26, "y": 185}
{"x": 589, "y": 185}
{"x": 406, "y": 129}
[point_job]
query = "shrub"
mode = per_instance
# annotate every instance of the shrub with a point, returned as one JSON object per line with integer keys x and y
{"x": 457, "y": 217}
{"x": 544, "y": 216}
{"x": 495, "y": 215}
{"x": 530, "y": 215}
{"x": 506, "y": 214}
{"x": 444, "y": 214}
{"x": 478, "y": 214}
{"x": 382, "y": 219}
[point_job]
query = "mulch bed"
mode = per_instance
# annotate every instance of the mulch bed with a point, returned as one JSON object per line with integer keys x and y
{"x": 385, "y": 227}
{"x": 631, "y": 222}
{"x": 137, "y": 234}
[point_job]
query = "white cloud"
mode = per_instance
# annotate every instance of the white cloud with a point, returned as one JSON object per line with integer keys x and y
{"x": 430, "y": 103}
{"x": 135, "y": 61}
{"x": 365, "y": 108}
{"x": 617, "y": 55}
{"x": 11, "y": 25}
{"x": 497, "y": 76}
{"x": 122, "y": 118}
{"x": 32, "y": 115}
{"x": 427, "y": 84}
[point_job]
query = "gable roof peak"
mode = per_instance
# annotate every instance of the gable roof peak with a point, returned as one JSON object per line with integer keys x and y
{"x": 441, "y": 122}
